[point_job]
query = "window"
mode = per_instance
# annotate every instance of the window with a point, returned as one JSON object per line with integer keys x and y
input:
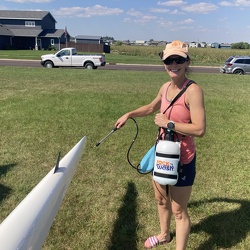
{"x": 247, "y": 61}
{"x": 52, "y": 42}
{"x": 239, "y": 61}
{"x": 30, "y": 24}
{"x": 229, "y": 59}
{"x": 64, "y": 53}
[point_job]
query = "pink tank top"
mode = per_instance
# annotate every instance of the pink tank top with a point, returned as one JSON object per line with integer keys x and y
{"x": 179, "y": 112}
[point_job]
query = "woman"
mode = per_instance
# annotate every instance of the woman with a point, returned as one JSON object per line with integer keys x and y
{"x": 187, "y": 118}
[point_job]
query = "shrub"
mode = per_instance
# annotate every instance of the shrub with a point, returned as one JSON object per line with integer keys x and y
{"x": 241, "y": 45}
{"x": 51, "y": 47}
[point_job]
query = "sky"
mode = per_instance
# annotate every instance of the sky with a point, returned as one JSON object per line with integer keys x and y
{"x": 185, "y": 20}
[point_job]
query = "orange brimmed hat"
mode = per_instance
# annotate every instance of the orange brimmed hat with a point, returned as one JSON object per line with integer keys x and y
{"x": 175, "y": 48}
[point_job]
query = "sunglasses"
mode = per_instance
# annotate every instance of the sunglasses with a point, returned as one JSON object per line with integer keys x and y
{"x": 178, "y": 60}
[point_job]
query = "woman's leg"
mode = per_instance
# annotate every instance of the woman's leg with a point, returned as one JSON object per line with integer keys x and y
{"x": 180, "y": 197}
{"x": 162, "y": 197}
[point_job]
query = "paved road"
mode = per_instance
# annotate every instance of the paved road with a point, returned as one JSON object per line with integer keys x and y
{"x": 195, "y": 69}
{"x": 35, "y": 63}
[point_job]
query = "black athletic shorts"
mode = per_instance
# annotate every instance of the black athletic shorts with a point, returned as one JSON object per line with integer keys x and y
{"x": 187, "y": 174}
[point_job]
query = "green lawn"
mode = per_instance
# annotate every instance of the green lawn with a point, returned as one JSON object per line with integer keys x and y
{"x": 108, "y": 204}
{"x": 140, "y": 55}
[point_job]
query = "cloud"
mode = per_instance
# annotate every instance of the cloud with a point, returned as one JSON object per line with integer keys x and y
{"x": 96, "y": 10}
{"x": 157, "y": 10}
{"x": 165, "y": 23}
{"x": 174, "y": 26}
{"x": 187, "y": 21}
{"x": 140, "y": 20}
{"x": 176, "y": 12}
{"x": 145, "y": 19}
{"x": 29, "y": 1}
{"x": 237, "y": 3}
{"x": 133, "y": 12}
{"x": 163, "y": 11}
{"x": 139, "y": 17}
{"x": 226, "y": 4}
{"x": 202, "y": 7}
{"x": 172, "y": 3}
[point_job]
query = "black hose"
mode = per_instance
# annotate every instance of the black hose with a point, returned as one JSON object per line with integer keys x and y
{"x": 130, "y": 163}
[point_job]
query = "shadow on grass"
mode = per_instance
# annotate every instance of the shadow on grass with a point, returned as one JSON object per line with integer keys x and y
{"x": 226, "y": 229}
{"x": 124, "y": 235}
{"x": 4, "y": 191}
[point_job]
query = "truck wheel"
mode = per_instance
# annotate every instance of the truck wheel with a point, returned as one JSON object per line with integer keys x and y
{"x": 49, "y": 65}
{"x": 89, "y": 66}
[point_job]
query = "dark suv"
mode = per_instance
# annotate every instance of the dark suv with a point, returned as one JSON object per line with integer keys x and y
{"x": 237, "y": 65}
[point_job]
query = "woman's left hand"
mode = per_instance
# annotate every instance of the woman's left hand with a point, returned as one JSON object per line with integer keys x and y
{"x": 161, "y": 120}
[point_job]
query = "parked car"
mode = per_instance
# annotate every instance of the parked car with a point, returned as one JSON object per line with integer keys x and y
{"x": 237, "y": 65}
{"x": 68, "y": 57}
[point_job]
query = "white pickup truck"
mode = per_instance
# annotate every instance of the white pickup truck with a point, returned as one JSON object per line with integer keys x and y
{"x": 68, "y": 57}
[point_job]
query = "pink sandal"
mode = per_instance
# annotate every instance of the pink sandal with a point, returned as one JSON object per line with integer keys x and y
{"x": 154, "y": 241}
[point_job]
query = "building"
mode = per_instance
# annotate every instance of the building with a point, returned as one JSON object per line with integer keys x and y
{"x": 156, "y": 43}
{"x": 203, "y": 44}
{"x": 89, "y": 39}
{"x": 194, "y": 45}
{"x": 30, "y": 30}
{"x": 215, "y": 45}
{"x": 5, "y": 36}
{"x": 89, "y": 44}
{"x": 140, "y": 42}
{"x": 225, "y": 46}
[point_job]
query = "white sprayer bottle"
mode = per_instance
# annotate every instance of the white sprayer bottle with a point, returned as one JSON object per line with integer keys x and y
{"x": 167, "y": 158}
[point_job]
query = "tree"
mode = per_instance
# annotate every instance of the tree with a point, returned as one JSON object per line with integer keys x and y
{"x": 240, "y": 45}
{"x": 108, "y": 38}
{"x": 118, "y": 43}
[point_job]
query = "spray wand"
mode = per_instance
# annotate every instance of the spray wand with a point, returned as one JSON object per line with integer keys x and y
{"x": 111, "y": 132}
{"x": 128, "y": 158}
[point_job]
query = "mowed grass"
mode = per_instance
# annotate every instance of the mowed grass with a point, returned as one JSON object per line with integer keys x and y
{"x": 139, "y": 55}
{"x": 108, "y": 204}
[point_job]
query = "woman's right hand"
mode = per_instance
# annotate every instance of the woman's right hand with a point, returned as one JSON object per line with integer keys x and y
{"x": 121, "y": 121}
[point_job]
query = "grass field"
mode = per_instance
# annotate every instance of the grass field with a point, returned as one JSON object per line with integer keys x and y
{"x": 108, "y": 204}
{"x": 140, "y": 55}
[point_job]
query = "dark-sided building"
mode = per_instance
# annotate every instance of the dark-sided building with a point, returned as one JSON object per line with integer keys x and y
{"x": 89, "y": 39}
{"x": 30, "y": 30}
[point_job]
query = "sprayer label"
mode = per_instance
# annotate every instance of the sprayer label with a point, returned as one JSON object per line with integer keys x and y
{"x": 164, "y": 165}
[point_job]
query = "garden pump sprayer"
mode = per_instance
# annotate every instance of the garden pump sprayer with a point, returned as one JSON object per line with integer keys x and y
{"x": 163, "y": 159}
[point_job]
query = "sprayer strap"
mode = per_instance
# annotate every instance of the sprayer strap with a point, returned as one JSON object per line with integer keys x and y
{"x": 167, "y": 155}
{"x": 173, "y": 101}
{"x": 179, "y": 95}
